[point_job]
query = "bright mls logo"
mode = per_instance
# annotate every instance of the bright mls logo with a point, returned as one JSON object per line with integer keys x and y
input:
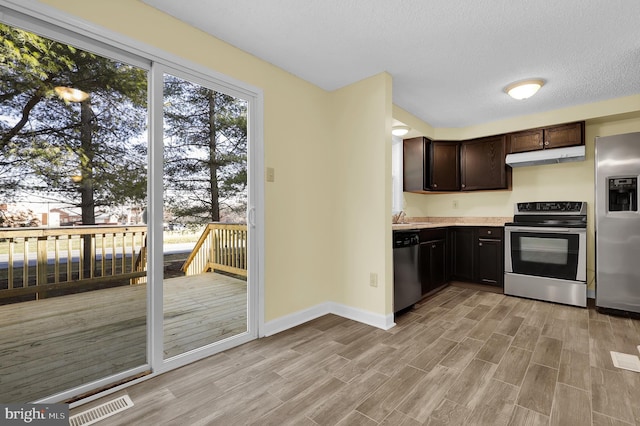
{"x": 35, "y": 414}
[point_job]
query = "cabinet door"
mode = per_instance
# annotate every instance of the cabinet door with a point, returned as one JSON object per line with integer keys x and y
{"x": 437, "y": 263}
{"x": 445, "y": 166}
{"x": 564, "y": 135}
{"x": 432, "y": 265}
{"x": 483, "y": 164}
{"x": 462, "y": 251}
{"x": 414, "y": 162}
{"x": 527, "y": 140}
{"x": 489, "y": 261}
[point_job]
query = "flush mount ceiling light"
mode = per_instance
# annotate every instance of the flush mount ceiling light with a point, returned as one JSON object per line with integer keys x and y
{"x": 524, "y": 89}
{"x": 70, "y": 94}
{"x": 400, "y": 130}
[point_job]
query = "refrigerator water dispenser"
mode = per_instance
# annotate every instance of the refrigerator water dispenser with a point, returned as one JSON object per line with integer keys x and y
{"x": 623, "y": 194}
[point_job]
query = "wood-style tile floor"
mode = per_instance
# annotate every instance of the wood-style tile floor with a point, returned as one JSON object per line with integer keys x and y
{"x": 61, "y": 342}
{"x": 460, "y": 357}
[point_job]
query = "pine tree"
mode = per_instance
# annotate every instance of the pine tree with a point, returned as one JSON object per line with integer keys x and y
{"x": 89, "y": 154}
{"x": 205, "y": 152}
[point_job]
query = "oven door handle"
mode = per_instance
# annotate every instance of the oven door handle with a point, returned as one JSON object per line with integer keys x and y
{"x": 541, "y": 229}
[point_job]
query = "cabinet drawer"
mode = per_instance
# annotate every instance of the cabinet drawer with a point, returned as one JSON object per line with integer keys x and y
{"x": 491, "y": 232}
{"x": 433, "y": 234}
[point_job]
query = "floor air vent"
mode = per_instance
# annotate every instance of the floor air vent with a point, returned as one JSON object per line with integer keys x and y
{"x": 100, "y": 412}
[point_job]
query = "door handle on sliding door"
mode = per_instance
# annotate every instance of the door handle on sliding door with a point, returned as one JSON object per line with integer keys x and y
{"x": 251, "y": 217}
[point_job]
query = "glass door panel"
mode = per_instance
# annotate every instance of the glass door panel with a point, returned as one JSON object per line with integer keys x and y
{"x": 73, "y": 157}
{"x": 205, "y": 236}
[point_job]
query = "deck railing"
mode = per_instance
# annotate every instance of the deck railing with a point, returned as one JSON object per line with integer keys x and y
{"x": 221, "y": 247}
{"x": 35, "y": 261}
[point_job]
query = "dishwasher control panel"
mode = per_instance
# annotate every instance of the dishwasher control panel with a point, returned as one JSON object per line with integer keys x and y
{"x": 404, "y": 239}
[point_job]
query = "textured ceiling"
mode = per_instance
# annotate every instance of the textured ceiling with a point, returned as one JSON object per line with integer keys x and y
{"x": 450, "y": 59}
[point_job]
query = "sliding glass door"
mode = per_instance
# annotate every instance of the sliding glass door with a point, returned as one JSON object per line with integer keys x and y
{"x": 73, "y": 240}
{"x": 126, "y": 185}
{"x": 204, "y": 215}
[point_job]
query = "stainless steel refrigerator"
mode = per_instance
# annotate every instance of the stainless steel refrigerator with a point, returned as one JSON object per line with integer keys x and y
{"x": 617, "y": 222}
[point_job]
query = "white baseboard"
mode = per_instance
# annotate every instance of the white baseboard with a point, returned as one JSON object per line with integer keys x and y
{"x": 286, "y": 322}
{"x": 289, "y": 321}
{"x": 384, "y": 322}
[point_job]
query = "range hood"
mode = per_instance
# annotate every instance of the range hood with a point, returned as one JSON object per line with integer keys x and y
{"x": 546, "y": 156}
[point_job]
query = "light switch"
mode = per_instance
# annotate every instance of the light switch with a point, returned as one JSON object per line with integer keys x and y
{"x": 271, "y": 174}
{"x": 373, "y": 279}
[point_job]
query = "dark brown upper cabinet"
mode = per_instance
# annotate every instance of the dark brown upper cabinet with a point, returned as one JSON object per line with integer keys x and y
{"x": 413, "y": 164}
{"x": 477, "y": 164}
{"x": 431, "y": 165}
{"x": 483, "y": 164}
{"x": 564, "y": 135}
{"x": 445, "y": 166}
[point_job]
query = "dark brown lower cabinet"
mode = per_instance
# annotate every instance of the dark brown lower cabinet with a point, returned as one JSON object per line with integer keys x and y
{"x": 462, "y": 249}
{"x": 489, "y": 261}
{"x": 477, "y": 255}
{"x": 461, "y": 253}
{"x": 434, "y": 264}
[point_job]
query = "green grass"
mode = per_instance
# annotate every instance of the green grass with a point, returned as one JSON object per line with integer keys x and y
{"x": 177, "y": 237}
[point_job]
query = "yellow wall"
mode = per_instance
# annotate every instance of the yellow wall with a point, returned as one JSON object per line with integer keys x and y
{"x": 362, "y": 114}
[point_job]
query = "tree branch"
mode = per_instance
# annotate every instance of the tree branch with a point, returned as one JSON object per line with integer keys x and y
{"x": 23, "y": 120}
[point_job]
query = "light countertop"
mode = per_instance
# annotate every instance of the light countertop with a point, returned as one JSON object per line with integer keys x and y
{"x": 443, "y": 222}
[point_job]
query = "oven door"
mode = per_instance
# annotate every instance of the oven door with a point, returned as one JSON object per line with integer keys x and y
{"x": 551, "y": 252}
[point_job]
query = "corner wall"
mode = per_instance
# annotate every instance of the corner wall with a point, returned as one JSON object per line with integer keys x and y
{"x": 362, "y": 116}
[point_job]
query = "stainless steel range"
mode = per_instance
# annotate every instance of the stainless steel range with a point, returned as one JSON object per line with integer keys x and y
{"x": 546, "y": 252}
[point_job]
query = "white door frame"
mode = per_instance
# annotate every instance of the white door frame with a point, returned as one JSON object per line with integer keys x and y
{"x": 156, "y": 272}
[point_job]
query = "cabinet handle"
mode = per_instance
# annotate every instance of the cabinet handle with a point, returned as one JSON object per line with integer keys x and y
{"x": 433, "y": 246}
{"x": 546, "y": 143}
{"x": 489, "y": 232}
{"x": 435, "y": 185}
{"x": 541, "y": 143}
{"x": 489, "y": 240}
{"x": 480, "y": 244}
{"x": 463, "y": 185}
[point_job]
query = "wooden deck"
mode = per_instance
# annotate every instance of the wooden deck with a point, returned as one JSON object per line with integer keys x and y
{"x": 50, "y": 345}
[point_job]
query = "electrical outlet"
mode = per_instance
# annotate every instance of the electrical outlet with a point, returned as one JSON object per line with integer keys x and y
{"x": 373, "y": 279}
{"x": 455, "y": 204}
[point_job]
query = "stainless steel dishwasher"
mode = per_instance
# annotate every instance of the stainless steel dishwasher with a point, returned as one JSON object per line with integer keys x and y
{"x": 407, "y": 288}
